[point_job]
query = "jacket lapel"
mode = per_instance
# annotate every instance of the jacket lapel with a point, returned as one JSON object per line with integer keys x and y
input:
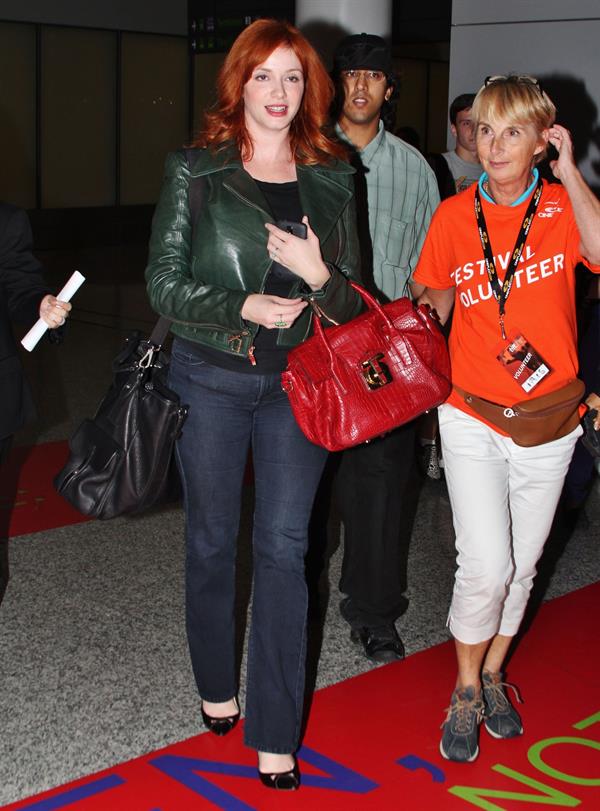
{"x": 323, "y": 198}
{"x": 323, "y": 194}
{"x": 241, "y": 184}
{"x": 235, "y": 178}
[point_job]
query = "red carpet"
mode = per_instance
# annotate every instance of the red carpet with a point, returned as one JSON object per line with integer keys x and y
{"x": 29, "y": 502}
{"x": 372, "y": 741}
{"x": 26, "y": 482}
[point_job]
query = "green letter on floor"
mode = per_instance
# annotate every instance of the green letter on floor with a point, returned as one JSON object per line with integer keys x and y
{"x": 547, "y": 795}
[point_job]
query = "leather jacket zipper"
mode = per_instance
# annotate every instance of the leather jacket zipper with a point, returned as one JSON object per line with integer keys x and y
{"x": 232, "y": 338}
{"x": 195, "y": 324}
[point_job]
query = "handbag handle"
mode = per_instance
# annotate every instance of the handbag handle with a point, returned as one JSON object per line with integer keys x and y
{"x": 370, "y": 301}
{"x": 372, "y": 304}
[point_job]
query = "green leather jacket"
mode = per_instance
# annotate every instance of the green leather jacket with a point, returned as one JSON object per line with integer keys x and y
{"x": 200, "y": 277}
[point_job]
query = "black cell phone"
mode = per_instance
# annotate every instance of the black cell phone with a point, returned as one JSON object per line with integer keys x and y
{"x": 298, "y": 229}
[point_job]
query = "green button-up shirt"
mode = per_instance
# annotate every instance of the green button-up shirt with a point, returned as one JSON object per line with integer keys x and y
{"x": 402, "y": 196}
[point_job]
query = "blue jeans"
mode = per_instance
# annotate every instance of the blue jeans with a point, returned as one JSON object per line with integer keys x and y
{"x": 229, "y": 412}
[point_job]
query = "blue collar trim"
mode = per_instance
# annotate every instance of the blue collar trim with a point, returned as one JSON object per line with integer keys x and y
{"x": 519, "y": 200}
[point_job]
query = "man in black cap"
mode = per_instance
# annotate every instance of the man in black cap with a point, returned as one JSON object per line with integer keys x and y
{"x": 396, "y": 194}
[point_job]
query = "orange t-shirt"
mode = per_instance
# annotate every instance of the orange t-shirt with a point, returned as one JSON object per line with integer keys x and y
{"x": 541, "y": 304}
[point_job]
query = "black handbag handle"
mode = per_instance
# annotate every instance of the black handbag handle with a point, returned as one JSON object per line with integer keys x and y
{"x": 160, "y": 331}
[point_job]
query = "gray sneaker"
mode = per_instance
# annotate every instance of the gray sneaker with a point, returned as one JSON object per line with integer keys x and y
{"x": 460, "y": 739}
{"x": 501, "y": 719}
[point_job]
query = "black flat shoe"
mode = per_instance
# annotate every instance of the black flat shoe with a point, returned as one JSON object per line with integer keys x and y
{"x": 282, "y": 781}
{"x": 381, "y": 644}
{"x": 220, "y": 726}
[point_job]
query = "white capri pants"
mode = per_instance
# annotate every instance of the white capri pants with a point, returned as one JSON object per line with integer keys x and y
{"x": 503, "y": 501}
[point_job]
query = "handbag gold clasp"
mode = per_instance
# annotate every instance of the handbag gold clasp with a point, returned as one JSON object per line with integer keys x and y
{"x": 375, "y": 372}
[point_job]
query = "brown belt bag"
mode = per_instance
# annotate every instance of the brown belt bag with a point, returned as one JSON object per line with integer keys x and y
{"x": 534, "y": 421}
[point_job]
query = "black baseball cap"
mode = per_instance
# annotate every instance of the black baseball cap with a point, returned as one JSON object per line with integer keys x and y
{"x": 362, "y": 52}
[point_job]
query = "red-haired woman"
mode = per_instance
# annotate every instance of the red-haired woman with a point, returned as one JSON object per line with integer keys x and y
{"x": 236, "y": 287}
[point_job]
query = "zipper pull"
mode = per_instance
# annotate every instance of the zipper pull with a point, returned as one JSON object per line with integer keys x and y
{"x": 318, "y": 311}
{"x": 251, "y": 357}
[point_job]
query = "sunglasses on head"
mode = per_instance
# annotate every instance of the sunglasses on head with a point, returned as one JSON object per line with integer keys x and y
{"x": 516, "y": 78}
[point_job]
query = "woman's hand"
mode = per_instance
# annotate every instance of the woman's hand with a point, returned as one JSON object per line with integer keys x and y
{"x": 53, "y": 312}
{"x": 301, "y": 256}
{"x": 272, "y": 312}
{"x": 560, "y": 138}
{"x": 586, "y": 205}
{"x": 441, "y": 301}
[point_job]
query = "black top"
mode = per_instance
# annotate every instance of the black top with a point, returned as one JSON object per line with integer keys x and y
{"x": 284, "y": 202}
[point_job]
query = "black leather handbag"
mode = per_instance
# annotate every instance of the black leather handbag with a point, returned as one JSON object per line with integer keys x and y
{"x": 122, "y": 460}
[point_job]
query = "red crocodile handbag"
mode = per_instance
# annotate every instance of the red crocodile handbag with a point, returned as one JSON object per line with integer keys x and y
{"x": 355, "y": 381}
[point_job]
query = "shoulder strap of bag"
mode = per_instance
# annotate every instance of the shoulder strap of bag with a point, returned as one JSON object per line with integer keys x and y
{"x": 195, "y": 195}
{"x": 160, "y": 331}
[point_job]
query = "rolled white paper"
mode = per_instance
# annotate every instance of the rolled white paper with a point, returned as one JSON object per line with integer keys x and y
{"x": 39, "y": 328}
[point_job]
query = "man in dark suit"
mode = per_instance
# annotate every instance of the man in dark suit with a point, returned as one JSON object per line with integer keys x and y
{"x": 24, "y": 297}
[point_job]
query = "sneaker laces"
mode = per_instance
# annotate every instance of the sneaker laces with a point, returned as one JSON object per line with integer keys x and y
{"x": 462, "y": 709}
{"x": 498, "y": 697}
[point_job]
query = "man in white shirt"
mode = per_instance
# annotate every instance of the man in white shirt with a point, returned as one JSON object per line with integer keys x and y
{"x": 457, "y": 169}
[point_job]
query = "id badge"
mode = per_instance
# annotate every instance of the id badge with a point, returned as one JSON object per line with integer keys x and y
{"x": 522, "y": 362}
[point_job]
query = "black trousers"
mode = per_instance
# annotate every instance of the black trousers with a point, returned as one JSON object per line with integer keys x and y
{"x": 6, "y": 503}
{"x": 370, "y": 491}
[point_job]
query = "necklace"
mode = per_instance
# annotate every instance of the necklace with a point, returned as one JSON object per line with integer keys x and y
{"x": 487, "y": 190}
